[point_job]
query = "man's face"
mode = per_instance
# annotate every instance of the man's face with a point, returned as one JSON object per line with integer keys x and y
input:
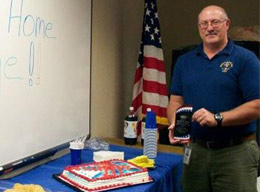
{"x": 213, "y": 26}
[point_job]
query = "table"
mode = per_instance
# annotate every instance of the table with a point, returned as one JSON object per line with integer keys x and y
{"x": 166, "y": 175}
{"x": 161, "y": 148}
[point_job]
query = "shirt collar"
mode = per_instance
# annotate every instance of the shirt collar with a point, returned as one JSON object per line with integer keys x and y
{"x": 227, "y": 50}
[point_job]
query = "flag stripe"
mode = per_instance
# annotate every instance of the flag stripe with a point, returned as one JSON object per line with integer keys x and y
{"x": 137, "y": 102}
{"x": 154, "y": 75}
{"x": 138, "y": 73}
{"x": 156, "y": 109}
{"x": 154, "y": 99}
{"x": 138, "y": 88}
{"x": 154, "y": 87}
{"x": 153, "y": 63}
{"x": 152, "y": 51}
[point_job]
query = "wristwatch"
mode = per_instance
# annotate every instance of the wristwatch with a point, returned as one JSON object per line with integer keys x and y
{"x": 218, "y": 117}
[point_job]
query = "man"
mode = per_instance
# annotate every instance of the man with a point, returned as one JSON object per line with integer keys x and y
{"x": 220, "y": 80}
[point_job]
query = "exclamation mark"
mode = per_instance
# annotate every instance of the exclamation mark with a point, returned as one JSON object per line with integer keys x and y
{"x": 31, "y": 63}
{"x": 38, "y": 64}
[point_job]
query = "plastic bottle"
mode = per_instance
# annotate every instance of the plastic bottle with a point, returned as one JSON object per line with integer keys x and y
{"x": 150, "y": 136}
{"x": 143, "y": 126}
{"x": 130, "y": 129}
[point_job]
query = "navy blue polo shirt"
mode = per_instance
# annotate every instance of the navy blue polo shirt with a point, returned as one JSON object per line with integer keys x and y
{"x": 219, "y": 84}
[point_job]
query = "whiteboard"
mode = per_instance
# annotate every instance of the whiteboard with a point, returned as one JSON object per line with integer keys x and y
{"x": 45, "y": 48}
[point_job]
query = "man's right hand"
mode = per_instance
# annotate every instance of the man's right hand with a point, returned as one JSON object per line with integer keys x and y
{"x": 171, "y": 136}
{"x": 176, "y": 101}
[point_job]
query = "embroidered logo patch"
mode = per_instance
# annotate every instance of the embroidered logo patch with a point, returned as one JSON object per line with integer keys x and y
{"x": 225, "y": 66}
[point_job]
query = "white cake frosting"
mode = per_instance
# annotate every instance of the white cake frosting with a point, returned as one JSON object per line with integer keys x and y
{"x": 105, "y": 175}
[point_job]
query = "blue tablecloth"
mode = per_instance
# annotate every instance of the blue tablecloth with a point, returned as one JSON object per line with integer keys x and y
{"x": 166, "y": 175}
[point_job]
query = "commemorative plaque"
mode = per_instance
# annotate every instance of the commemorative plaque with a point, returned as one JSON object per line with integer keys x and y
{"x": 183, "y": 123}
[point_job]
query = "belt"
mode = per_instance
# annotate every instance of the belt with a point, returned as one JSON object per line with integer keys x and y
{"x": 223, "y": 144}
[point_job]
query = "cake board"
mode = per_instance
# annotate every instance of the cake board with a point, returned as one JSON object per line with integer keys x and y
{"x": 58, "y": 178}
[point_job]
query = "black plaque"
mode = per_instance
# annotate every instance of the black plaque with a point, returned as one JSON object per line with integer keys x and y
{"x": 183, "y": 123}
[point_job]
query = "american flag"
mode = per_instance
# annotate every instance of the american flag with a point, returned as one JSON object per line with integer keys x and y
{"x": 150, "y": 89}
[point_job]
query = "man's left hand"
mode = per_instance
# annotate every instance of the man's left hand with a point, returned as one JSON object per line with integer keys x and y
{"x": 204, "y": 118}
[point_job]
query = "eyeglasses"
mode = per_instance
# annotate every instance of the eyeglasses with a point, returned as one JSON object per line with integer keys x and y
{"x": 214, "y": 23}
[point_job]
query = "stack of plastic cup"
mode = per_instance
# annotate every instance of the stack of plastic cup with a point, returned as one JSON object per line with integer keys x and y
{"x": 150, "y": 137}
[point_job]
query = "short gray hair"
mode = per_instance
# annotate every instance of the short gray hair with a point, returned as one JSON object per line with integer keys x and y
{"x": 217, "y": 7}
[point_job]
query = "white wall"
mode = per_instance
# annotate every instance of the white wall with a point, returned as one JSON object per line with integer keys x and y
{"x": 106, "y": 83}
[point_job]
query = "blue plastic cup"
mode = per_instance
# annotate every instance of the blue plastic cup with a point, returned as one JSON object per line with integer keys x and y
{"x": 150, "y": 122}
{"x": 75, "y": 156}
{"x": 75, "y": 152}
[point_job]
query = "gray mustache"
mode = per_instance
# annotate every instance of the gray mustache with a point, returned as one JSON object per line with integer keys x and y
{"x": 211, "y": 33}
